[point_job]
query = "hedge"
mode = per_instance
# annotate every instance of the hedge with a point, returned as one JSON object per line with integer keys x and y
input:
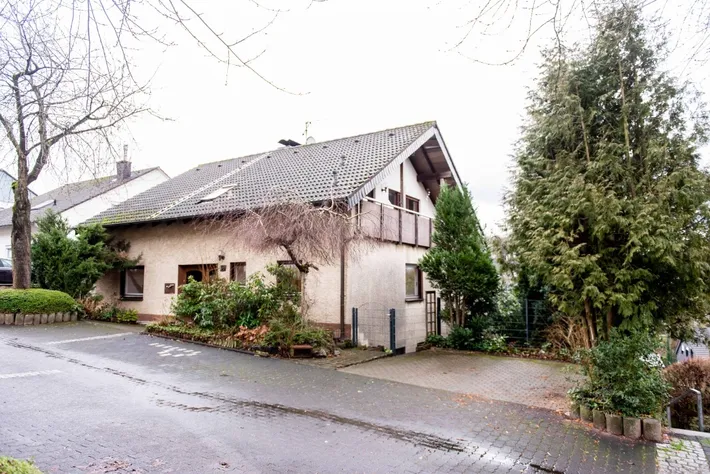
{"x": 35, "y": 301}
{"x": 14, "y": 466}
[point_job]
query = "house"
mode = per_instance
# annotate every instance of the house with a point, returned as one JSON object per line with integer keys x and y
{"x": 7, "y": 194}
{"x": 77, "y": 202}
{"x": 389, "y": 180}
{"x": 687, "y": 350}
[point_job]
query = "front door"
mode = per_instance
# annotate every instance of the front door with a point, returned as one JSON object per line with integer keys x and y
{"x": 430, "y": 309}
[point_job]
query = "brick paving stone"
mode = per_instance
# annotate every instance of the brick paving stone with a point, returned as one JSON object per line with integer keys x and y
{"x": 537, "y": 383}
{"x": 681, "y": 456}
{"x": 117, "y": 406}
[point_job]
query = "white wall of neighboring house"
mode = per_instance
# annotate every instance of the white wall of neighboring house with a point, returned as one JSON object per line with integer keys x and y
{"x": 88, "y": 209}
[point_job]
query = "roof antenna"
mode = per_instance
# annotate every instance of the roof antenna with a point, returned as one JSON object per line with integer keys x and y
{"x": 125, "y": 152}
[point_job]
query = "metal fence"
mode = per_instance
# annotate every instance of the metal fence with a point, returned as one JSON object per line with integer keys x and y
{"x": 375, "y": 325}
{"x": 526, "y": 326}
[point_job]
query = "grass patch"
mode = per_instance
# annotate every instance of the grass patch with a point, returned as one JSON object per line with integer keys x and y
{"x": 15, "y": 466}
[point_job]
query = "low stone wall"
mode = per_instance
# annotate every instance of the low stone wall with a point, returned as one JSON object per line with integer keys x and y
{"x": 20, "y": 319}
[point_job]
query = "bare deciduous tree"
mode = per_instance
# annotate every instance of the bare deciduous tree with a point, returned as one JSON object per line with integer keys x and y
{"x": 311, "y": 234}
{"x": 67, "y": 84}
{"x": 63, "y": 83}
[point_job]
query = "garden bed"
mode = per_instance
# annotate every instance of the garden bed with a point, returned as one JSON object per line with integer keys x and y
{"x": 242, "y": 339}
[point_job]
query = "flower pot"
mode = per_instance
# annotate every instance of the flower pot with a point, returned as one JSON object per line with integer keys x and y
{"x": 652, "y": 430}
{"x": 574, "y": 411}
{"x": 632, "y": 427}
{"x": 599, "y": 419}
{"x": 614, "y": 424}
{"x": 586, "y": 413}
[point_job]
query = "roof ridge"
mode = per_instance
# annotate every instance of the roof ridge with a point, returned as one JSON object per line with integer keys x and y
{"x": 102, "y": 178}
{"x": 431, "y": 122}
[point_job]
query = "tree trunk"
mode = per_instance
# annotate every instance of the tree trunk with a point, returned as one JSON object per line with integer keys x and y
{"x": 304, "y": 303}
{"x": 591, "y": 323}
{"x": 21, "y": 230}
{"x": 609, "y": 322}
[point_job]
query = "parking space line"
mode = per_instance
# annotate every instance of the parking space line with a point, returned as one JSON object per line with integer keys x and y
{"x": 93, "y": 338}
{"x": 29, "y": 374}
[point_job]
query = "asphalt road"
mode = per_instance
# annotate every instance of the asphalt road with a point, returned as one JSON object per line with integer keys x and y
{"x": 92, "y": 398}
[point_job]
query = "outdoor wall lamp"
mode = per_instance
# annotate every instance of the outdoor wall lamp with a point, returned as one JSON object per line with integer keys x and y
{"x": 220, "y": 256}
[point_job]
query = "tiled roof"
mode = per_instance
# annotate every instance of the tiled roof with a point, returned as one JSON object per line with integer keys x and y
{"x": 316, "y": 172}
{"x": 72, "y": 194}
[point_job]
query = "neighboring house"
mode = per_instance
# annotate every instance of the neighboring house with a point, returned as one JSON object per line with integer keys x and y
{"x": 390, "y": 178}
{"x": 77, "y": 202}
{"x": 686, "y": 350}
{"x": 7, "y": 195}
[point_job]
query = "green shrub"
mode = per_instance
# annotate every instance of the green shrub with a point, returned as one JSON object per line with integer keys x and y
{"x": 219, "y": 304}
{"x": 462, "y": 339}
{"x": 478, "y": 326}
{"x": 315, "y": 336}
{"x": 114, "y": 314}
{"x": 127, "y": 316}
{"x": 74, "y": 264}
{"x": 180, "y": 330}
{"x": 681, "y": 376}
{"x": 493, "y": 342}
{"x": 436, "y": 340}
{"x": 36, "y": 301}
{"x": 14, "y": 466}
{"x": 625, "y": 375}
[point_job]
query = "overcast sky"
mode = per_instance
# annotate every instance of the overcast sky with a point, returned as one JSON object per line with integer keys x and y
{"x": 355, "y": 67}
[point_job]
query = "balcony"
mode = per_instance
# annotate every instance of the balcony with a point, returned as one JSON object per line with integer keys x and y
{"x": 391, "y": 223}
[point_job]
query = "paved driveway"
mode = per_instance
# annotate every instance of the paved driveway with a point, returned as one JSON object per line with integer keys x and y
{"x": 536, "y": 383}
{"x": 88, "y": 398}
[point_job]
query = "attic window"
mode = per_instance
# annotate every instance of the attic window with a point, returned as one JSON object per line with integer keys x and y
{"x": 49, "y": 202}
{"x": 215, "y": 194}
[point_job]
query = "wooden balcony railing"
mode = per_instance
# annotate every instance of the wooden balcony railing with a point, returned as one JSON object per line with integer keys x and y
{"x": 391, "y": 223}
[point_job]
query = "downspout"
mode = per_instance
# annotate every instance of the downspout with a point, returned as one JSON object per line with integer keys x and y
{"x": 342, "y": 292}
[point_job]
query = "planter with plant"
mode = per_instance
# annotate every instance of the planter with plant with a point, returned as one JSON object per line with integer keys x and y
{"x": 624, "y": 376}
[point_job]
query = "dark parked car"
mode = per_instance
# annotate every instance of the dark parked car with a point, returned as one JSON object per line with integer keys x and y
{"x": 5, "y": 271}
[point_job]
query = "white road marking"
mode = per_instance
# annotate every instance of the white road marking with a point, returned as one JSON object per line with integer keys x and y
{"x": 174, "y": 351}
{"x": 29, "y": 374}
{"x": 93, "y": 338}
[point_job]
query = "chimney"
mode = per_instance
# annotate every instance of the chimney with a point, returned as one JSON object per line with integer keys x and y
{"x": 123, "y": 167}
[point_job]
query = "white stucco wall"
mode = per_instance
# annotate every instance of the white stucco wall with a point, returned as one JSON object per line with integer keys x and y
{"x": 375, "y": 284}
{"x": 412, "y": 188}
{"x": 165, "y": 247}
{"x": 88, "y": 209}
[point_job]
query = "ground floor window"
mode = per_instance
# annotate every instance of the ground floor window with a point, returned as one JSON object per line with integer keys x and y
{"x": 199, "y": 272}
{"x": 132, "y": 282}
{"x": 238, "y": 272}
{"x": 413, "y": 282}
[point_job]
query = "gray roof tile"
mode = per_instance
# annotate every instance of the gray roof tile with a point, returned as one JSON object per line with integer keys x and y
{"x": 331, "y": 169}
{"x": 72, "y": 194}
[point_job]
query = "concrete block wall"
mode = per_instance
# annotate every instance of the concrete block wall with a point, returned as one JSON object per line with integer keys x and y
{"x": 20, "y": 319}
